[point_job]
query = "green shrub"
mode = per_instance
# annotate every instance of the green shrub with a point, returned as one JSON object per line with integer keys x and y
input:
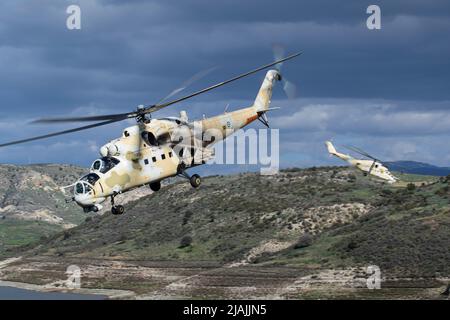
{"x": 305, "y": 241}
{"x": 353, "y": 244}
{"x": 186, "y": 241}
{"x": 66, "y": 235}
{"x": 186, "y": 217}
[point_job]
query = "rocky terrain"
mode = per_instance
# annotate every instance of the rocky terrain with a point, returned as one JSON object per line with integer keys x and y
{"x": 33, "y": 206}
{"x": 308, "y": 233}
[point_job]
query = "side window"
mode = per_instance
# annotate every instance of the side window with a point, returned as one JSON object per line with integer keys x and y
{"x": 163, "y": 156}
{"x": 170, "y": 154}
{"x": 154, "y": 159}
{"x": 146, "y": 161}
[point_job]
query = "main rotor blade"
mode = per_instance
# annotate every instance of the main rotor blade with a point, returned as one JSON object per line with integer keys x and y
{"x": 364, "y": 152}
{"x": 199, "y": 75}
{"x": 361, "y": 152}
{"x": 116, "y": 117}
{"x": 157, "y": 107}
{"x": 60, "y": 133}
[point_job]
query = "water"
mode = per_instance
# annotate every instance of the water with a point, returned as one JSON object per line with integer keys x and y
{"x": 10, "y": 293}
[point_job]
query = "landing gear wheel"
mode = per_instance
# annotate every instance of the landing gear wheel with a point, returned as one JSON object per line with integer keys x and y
{"x": 195, "y": 181}
{"x": 155, "y": 186}
{"x": 117, "y": 210}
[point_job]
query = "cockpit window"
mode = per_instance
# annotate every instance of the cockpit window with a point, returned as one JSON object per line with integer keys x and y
{"x": 105, "y": 164}
{"x": 82, "y": 187}
{"x": 97, "y": 165}
{"x": 85, "y": 184}
{"x": 91, "y": 178}
{"x": 79, "y": 188}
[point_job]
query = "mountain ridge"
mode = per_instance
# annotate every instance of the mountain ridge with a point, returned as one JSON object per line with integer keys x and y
{"x": 416, "y": 167}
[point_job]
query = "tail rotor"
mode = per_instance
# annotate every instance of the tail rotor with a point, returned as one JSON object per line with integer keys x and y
{"x": 289, "y": 88}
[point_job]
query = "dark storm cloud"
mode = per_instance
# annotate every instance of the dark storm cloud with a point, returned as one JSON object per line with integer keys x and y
{"x": 322, "y": 11}
{"x": 133, "y": 52}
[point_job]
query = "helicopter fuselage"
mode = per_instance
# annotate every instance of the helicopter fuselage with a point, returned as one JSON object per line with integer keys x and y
{"x": 157, "y": 149}
{"x": 150, "y": 152}
{"x": 376, "y": 169}
{"x": 372, "y": 167}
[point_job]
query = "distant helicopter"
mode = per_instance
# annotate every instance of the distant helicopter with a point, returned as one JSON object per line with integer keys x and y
{"x": 372, "y": 167}
{"x": 156, "y": 149}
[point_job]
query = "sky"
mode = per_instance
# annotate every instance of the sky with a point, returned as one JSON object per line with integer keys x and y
{"x": 386, "y": 91}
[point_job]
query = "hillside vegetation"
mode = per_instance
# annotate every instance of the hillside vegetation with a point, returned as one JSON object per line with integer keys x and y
{"x": 318, "y": 217}
{"x": 32, "y": 204}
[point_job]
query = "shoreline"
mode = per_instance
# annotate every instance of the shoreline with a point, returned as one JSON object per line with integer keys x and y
{"x": 109, "y": 293}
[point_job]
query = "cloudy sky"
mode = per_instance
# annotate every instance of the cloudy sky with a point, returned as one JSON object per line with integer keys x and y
{"x": 386, "y": 91}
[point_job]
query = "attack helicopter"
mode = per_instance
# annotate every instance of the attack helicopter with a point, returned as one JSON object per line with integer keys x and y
{"x": 156, "y": 149}
{"x": 372, "y": 167}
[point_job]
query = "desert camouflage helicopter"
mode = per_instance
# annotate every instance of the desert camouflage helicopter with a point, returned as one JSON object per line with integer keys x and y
{"x": 156, "y": 149}
{"x": 369, "y": 167}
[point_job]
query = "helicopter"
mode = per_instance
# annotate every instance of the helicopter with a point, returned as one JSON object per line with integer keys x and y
{"x": 156, "y": 149}
{"x": 372, "y": 167}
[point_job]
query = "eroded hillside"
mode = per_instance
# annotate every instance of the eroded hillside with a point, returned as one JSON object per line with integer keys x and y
{"x": 300, "y": 233}
{"x": 32, "y": 204}
{"x": 250, "y": 218}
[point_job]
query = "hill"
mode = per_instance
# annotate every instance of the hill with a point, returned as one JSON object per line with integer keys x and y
{"x": 298, "y": 226}
{"x": 32, "y": 204}
{"x": 418, "y": 168}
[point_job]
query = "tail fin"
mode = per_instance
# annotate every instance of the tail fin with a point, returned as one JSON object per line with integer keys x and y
{"x": 330, "y": 147}
{"x": 262, "y": 101}
{"x": 332, "y": 151}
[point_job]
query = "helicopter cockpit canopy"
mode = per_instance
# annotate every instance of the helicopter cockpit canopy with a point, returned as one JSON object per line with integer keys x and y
{"x": 85, "y": 184}
{"x": 103, "y": 165}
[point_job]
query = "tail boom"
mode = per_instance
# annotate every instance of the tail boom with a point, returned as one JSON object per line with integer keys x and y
{"x": 332, "y": 151}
